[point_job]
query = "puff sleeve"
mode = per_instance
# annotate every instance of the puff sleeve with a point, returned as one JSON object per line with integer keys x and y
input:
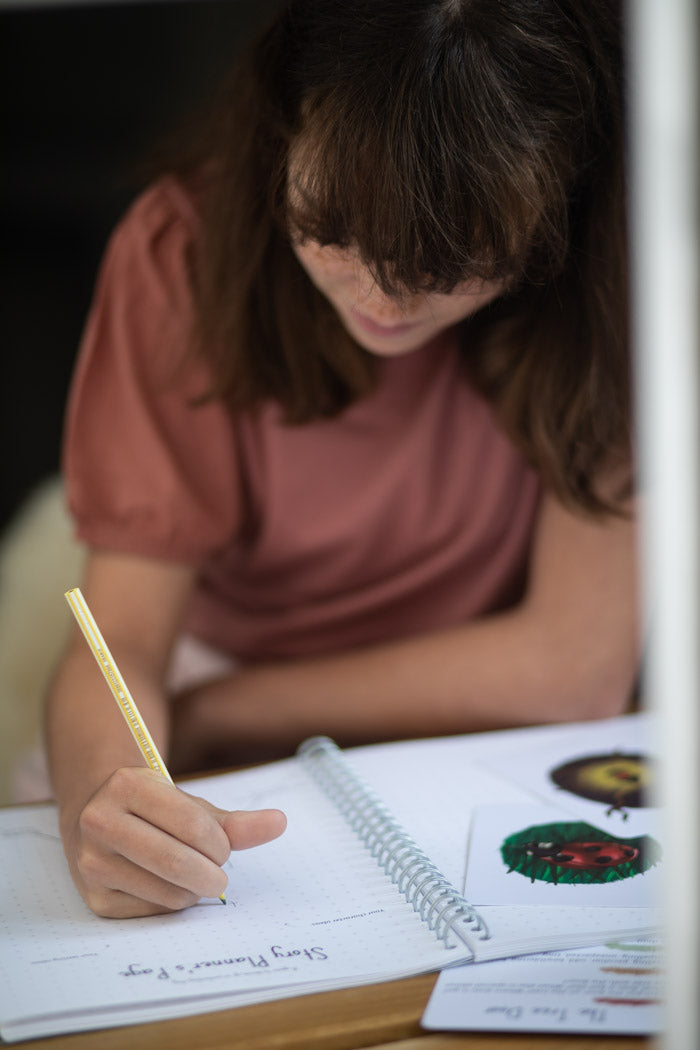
{"x": 147, "y": 471}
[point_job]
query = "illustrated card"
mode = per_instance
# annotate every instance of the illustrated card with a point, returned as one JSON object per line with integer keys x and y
{"x": 608, "y": 779}
{"x": 617, "y": 988}
{"x": 538, "y": 855}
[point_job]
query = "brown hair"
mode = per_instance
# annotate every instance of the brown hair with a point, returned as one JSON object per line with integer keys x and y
{"x": 443, "y": 139}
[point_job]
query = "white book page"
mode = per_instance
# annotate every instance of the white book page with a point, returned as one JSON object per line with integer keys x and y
{"x": 615, "y": 989}
{"x": 310, "y": 907}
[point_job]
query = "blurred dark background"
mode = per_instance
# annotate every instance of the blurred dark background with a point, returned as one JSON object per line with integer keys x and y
{"x": 85, "y": 90}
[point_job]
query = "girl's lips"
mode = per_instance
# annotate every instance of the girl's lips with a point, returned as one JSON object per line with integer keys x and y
{"x": 381, "y": 329}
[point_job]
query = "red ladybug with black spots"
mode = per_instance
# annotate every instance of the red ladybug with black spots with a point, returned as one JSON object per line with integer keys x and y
{"x": 582, "y": 854}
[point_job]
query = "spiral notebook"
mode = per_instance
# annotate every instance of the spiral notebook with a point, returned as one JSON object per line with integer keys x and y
{"x": 364, "y": 886}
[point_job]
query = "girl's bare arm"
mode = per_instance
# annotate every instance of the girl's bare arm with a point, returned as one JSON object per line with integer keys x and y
{"x": 569, "y": 651}
{"x": 135, "y": 844}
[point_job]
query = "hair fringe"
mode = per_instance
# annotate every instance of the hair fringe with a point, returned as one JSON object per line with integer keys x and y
{"x": 494, "y": 129}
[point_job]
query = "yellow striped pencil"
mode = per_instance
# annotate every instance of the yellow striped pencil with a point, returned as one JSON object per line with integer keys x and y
{"x": 117, "y": 685}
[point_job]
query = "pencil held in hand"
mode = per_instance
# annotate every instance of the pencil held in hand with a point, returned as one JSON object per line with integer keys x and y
{"x": 117, "y": 685}
{"x": 115, "y": 681}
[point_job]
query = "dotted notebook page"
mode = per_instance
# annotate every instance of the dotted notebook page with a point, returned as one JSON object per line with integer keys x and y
{"x": 311, "y": 909}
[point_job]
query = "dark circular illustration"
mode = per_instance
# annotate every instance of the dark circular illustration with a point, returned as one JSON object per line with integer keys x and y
{"x": 623, "y": 781}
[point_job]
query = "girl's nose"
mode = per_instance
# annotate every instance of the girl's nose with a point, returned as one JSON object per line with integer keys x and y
{"x": 384, "y": 308}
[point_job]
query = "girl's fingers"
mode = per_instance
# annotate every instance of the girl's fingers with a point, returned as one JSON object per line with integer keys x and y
{"x": 146, "y": 846}
{"x": 247, "y": 829}
{"x": 154, "y": 801}
{"x": 174, "y": 862}
{"x": 115, "y": 888}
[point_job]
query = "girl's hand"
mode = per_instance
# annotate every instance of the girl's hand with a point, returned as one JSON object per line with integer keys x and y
{"x": 142, "y": 847}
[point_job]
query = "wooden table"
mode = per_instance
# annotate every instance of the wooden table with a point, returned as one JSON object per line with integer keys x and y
{"x": 380, "y": 1016}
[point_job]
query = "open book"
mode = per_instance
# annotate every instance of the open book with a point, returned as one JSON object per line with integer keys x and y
{"x": 364, "y": 886}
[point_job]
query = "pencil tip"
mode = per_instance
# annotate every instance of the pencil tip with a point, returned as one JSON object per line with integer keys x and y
{"x": 222, "y": 899}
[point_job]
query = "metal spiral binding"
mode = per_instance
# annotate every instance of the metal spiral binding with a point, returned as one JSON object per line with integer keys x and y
{"x": 437, "y": 902}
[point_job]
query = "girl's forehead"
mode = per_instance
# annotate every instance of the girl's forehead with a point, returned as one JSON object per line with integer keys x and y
{"x": 415, "y": 230}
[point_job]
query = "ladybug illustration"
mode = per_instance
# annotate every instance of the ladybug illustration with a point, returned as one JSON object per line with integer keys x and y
{"x": 576, "y": 852}
{"x": 582, "y": 854}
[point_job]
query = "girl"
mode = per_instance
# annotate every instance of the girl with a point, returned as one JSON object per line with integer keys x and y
{"x": 352, "y": 408}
